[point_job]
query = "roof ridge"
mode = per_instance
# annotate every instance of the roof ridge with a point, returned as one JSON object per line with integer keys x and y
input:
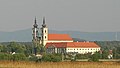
{"x": 59, "y": 34}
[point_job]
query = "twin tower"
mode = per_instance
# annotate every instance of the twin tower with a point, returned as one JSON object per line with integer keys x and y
{"x": 40, "y": 35}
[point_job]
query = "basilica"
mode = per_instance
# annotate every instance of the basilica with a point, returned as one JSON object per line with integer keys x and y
{"x": 60, "y": 43}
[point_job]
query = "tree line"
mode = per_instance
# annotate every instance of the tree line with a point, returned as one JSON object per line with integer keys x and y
{"x": 19, "y": 51}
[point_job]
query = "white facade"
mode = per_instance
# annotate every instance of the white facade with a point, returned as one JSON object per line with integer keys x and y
{"x": 82, "y": 50}
{"x": 44, "y": 35}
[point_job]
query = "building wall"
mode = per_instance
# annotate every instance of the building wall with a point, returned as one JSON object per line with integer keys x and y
{"x": 44, "y": 35}
{"x": 61, "y": 50}
{"x": 82, "y": 50}
{"x": 35, "y": 33}
{"x": 51, "y": 49}
{"x": 72, "y": 50}
{"x": 56, "y": 50}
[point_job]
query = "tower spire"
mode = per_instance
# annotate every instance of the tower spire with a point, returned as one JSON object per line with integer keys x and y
{"x": 44, "y": 25}
{"x": 43, "y": 20}
{"x": 35, "y": 23}
{"x": 35, "y": 20}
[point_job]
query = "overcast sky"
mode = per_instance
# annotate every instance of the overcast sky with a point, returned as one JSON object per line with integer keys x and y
{"x": 77, "y": 15}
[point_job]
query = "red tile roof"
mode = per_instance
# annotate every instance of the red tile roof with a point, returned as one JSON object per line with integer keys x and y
{"x": 82, "y": 45}
{"x": 73, "y": 45}
{"x": 59, "y": 37}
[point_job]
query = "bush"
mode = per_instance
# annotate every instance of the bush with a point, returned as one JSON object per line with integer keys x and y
{"x": 83, "y": 56}
{"x": 19, "y": 57}
{"x": 33, "y": 58}
{"x": 51, "y": 58}
{"x": 95, "y": 57}
{"x": 56, "y": 58}
{"x": 5, "y": 56}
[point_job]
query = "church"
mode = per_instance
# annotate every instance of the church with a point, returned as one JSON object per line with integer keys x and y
{"x": 60, "y": 43}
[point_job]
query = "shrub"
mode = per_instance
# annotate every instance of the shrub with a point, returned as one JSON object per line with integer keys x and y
{"x": 5, "y": 56}
{"x": 95, "y": 57}
{"x": 83, "y": 56}
{"x": 33, "y": 58}
{"x": 51, "y": 58}
{"x": 19, "y": 57}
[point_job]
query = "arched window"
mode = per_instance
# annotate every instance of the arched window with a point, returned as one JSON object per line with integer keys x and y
{"x": 45, "y": 37}
{"x": 45, "y": 31}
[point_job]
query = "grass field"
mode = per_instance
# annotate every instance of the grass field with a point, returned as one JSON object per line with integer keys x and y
{"x": 8, "y": 64}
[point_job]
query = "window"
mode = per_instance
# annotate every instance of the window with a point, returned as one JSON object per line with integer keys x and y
{"x": 45, "y": 37}
{"x": 36, "y": 31}
{"x": 45, "y": 31}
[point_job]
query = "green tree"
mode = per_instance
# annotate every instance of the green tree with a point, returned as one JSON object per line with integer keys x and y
{"x": 105, "y": 54}
{"x": 1, "y": 47}
{"x": 5, "y": 49}
{"x": 116, "y": 53}
{"x": 16, "y": 47}
{"x": 95, "y": 57}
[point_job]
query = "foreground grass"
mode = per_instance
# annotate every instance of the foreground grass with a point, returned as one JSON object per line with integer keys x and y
{"x": 10, "y": 64}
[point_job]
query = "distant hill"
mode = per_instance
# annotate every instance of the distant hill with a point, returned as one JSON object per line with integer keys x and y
{"x": 26, "y": 35}
{"x": 20, "y": 35}
{"x": 91, "y": 36}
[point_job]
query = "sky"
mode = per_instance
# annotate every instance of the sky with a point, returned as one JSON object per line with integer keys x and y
{"x": 74, "y": 15}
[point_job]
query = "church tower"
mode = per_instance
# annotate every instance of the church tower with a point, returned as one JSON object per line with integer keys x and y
{"x": 44, "y": 33}
{"x": 35, "y": 32}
